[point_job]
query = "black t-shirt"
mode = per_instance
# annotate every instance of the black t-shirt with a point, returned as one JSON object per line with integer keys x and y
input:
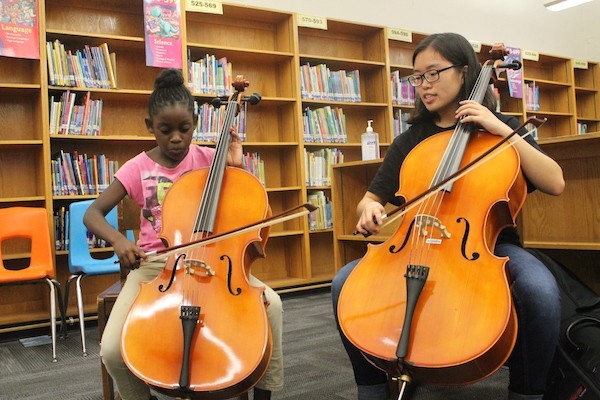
{"x": 385, "y": 184}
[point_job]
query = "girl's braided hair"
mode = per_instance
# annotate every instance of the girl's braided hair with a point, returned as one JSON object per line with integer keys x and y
{"x": 169, "y": 89}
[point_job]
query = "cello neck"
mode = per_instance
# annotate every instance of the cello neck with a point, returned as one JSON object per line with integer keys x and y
{"x": 210, "y": 197}
{"x": 455, "y": 150}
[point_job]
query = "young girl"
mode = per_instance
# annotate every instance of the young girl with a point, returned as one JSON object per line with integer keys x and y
{"x": 445, "y": 71}
{"x": 145, "y": 179}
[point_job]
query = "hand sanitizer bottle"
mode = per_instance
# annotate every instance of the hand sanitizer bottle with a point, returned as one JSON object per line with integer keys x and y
{"x": 369, "y": 142}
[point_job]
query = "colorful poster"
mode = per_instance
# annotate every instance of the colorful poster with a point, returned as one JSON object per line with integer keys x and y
{"x": 515, "y": 77}
{"x": 19, "y": 29}
{"x": 162, "y": 22}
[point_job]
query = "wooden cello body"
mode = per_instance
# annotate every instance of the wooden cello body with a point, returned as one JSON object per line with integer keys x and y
{"x": 199, "y": 329}
{"x": 463, "y": 326}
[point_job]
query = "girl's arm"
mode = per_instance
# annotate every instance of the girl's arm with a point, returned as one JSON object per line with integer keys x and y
{"x": 94, "y": 219}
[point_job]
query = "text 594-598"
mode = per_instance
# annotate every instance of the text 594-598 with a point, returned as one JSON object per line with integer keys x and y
{"x": 399, "y": 33}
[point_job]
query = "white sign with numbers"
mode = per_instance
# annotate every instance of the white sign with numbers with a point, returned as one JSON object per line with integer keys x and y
{"x": 204, "y": 6}
{"x": 309, "y": 21}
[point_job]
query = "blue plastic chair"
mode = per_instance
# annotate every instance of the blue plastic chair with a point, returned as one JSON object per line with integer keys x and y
{"x": 81, "y": 262}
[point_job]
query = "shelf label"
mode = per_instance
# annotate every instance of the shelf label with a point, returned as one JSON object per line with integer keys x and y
{"x": 400, "y": 34}
{"x": 531, "y": 55}
{"x": 476, "y": 45}
{"x": 309, "y": 21}
{"x": 580, "y": 64}
{"x": 204, "y": 6}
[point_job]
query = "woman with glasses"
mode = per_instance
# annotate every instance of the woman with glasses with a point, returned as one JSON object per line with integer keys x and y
{"x": 445, "y": 70}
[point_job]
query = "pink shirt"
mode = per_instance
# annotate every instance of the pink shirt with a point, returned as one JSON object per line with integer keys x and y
{"x": 147, "y": 183}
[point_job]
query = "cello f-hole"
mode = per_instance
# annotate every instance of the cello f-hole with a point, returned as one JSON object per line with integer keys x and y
{"x": 463, "y": 246}
{"x": 162, "y": 288}
{"x": 238, "y": 291}
{"x": 394, "y": 249}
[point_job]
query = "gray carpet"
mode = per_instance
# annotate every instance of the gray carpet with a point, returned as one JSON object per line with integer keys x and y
{"x": 316, "y": 366}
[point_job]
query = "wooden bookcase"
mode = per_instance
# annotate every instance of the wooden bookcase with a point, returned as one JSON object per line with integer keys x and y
{"x": 23, "y": 177}
{"x": 587, "y": 96}
{"x": 260, "y": 45}
{"x": 555, "y": 80}
{"x": 568, "y": 226}
{"x": 347, "y": 47}
{"x": 268, "y": 47}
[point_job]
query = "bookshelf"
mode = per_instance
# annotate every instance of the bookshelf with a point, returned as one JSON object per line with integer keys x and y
{"x": 22, "y": 154}
{"x": 260, "y": 45}
{"x": 587, "y": 97}
{"x": 346, "y": 47}
{"x": 269, "y": 48}
{"x": 553, "y": 77}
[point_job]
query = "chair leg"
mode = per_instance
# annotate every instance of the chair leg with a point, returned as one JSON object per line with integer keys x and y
{"x": 81, "y": 314}
{"x": 52, "y": 317}
{"x": 65, "y": 332}
{"x": 61, "y": 307}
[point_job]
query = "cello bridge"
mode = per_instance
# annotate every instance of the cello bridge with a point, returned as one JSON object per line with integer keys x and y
{"x": 192, "y": 265}
{"x": 422, "y": 221}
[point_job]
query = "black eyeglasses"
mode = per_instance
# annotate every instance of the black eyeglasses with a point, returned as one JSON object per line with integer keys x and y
{"x": 430, "y": 76}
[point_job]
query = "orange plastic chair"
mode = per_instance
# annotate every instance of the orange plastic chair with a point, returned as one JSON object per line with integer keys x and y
{"x": 32, "y": 223}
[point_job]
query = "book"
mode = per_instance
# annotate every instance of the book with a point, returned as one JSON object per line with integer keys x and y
{"x": 108, "y": 59}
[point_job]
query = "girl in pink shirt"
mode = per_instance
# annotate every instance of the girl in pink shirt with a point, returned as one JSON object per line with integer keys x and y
{"x": 146, "y": 179}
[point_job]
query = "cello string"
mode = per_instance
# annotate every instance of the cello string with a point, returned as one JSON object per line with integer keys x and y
{"x": 450, "y": 163}
{"x": 426, "y": 195}
{"x": 206, "y": 212}
{"x": 210, "y": 196}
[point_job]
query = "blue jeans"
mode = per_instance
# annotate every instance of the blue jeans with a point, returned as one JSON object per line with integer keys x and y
{"x": 537, "y": 301}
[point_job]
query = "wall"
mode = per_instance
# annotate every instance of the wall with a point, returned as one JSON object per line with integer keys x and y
{"x": 520, "y": 23}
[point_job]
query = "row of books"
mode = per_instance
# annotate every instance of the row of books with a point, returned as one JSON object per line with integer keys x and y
{"x": 90, "y": 67}
{"x": 324, "y": 125}
{"x": 68, "y": 118}
{"x": 532, "y": 96}
{"x": 255, "y": 165}
{"x": 210, "y": 75}
{"x": 400, "y": 122}
{"x": 61, "y": 232}
{"x": 320, "y": 218}
{"x": 210, "y": 122}
{"x": 80, "y": 174}
{"x": 320, "y": 83}
{"x": 402, "y": 92}
{"x": 318, "y": 164}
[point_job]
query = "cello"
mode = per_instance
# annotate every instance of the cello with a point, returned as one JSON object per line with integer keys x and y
{"x": 439, "y": 309}
{"x": 199, "y": 329}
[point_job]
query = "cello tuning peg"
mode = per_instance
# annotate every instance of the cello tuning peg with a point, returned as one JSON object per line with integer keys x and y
{"x": 254, "y": 98}
{"x": 216, "y": 102}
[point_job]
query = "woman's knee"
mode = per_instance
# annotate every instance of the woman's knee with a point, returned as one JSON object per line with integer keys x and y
{"x": 340, "y": 278}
